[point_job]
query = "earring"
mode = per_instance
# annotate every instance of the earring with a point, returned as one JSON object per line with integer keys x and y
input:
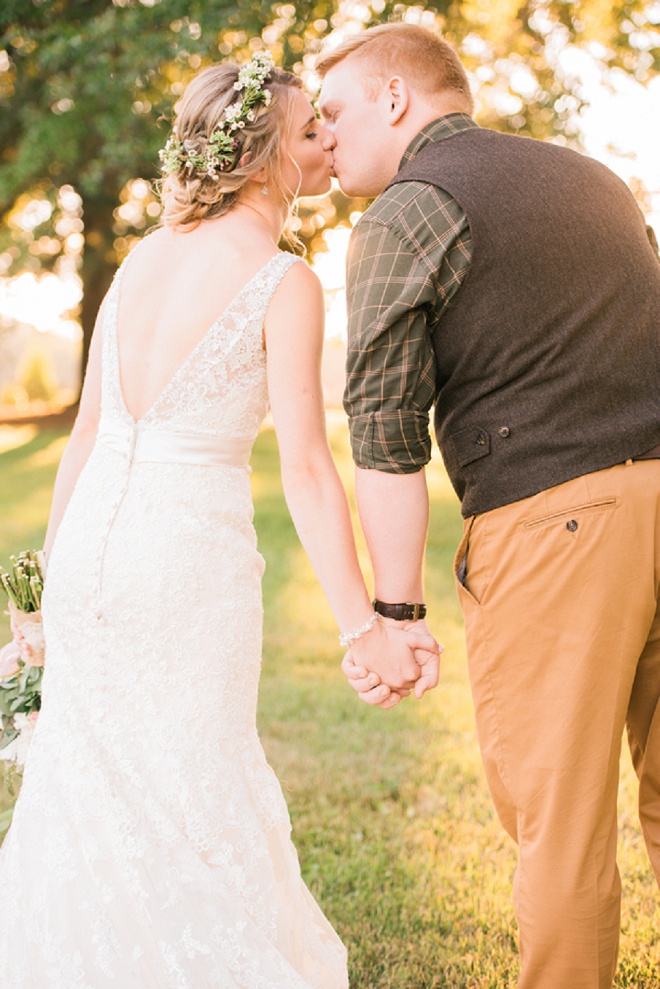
{"x": 264, "y": 190}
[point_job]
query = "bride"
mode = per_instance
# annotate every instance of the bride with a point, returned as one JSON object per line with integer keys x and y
{"x": 150, "y": 847}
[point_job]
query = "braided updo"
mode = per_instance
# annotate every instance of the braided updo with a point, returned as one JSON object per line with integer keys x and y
{"x": 189, "y": 197}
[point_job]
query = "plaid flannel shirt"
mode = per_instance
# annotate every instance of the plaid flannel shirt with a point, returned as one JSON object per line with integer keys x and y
{"x": 408, "y": 256}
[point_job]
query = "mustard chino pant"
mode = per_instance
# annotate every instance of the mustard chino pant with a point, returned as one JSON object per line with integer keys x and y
{"x": 560, "y": 599}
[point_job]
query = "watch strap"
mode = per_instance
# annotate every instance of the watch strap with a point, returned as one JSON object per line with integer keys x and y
{"x": 406, "y": 612}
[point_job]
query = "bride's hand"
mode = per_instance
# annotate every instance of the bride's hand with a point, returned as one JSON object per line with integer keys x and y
{"x": 368, "y": 685}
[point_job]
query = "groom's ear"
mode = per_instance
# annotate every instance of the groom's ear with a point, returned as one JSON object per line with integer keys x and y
{"x": 398, "y": 95}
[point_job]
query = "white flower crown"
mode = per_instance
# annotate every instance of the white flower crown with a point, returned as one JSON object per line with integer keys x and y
{"x": 221, "y": 147}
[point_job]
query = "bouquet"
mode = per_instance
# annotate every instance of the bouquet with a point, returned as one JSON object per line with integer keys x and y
{"x": 21, "y": 662}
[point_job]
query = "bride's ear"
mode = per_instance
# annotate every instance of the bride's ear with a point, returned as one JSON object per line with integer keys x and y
{"x": 259, "y": 177}
{"x": 245, "y": 159}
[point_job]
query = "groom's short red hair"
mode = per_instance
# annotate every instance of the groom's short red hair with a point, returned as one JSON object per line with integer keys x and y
{"x": 427, "y": 62}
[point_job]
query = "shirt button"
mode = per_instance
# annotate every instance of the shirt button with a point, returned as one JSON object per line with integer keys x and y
{"x": 571, "y": 525}
{"x": 480, "y": 439}
{"x": 504, "y": 431}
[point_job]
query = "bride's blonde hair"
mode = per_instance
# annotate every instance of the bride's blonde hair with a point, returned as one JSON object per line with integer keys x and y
{"x": 188, "y": 198}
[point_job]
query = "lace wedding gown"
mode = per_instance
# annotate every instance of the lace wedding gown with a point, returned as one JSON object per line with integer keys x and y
{"x": 150, "y": 847}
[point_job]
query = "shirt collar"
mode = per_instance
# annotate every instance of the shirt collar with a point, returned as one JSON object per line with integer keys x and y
{"x": 437, "y": 130}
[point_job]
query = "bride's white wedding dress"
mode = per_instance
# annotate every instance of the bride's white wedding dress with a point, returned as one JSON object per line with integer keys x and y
{"x": 150, "y": 847}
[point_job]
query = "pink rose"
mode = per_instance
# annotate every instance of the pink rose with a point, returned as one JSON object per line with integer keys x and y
{"x": 33, "y": 717}
{"x": 9, "y": 656}
{"x": 33, "y": 657}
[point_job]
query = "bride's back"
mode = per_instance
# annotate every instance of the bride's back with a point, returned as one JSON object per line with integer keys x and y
{"x": 175, "y": 286}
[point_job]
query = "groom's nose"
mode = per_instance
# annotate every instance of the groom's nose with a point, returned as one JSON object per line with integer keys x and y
{"x": 328, "y": 140}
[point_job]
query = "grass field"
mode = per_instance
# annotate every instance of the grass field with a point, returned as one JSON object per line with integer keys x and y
{"x": 392, "y": 820}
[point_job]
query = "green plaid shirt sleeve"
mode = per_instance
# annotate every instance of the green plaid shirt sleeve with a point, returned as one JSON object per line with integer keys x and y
{"x": 408, "y": 256}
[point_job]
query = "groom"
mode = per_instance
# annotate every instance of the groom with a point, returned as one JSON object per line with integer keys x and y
{"x": 511, "y": 284}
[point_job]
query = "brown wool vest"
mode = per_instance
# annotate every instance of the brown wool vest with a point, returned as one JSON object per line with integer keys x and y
{"x": 548, "y": 359}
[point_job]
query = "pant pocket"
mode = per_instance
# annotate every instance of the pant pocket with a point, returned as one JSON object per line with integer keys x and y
{"x": 464, "y": 563}
{"x": 570, "y": 517}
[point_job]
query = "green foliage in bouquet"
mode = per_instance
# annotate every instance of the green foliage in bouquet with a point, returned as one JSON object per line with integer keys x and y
{"x": 19, "y": 694}
{"x": 24, "y": 582}
{"x": 20, "y": 690}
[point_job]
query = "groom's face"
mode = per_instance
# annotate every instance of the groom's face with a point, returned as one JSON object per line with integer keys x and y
{"x": 364, "y": 159}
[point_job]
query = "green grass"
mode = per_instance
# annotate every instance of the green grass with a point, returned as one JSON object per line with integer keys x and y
{"x": 392, "y": 820}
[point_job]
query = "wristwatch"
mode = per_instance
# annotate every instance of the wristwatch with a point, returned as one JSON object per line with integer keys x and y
{"x": 408, "y": 612}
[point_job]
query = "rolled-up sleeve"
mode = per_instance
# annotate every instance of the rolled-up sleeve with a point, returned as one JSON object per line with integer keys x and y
{"x": 400, "y": 277}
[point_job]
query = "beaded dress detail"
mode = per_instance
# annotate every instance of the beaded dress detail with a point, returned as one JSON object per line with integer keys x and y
{"x": 150, "y": 846}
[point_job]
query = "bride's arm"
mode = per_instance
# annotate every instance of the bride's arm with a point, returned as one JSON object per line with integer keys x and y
{"x": 312, "y": 487}
{"x": 82, "y": 437}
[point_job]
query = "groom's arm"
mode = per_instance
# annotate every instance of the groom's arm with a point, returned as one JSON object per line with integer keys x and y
{"x": 408, "y": 257}
{"x": 394, "y": 513}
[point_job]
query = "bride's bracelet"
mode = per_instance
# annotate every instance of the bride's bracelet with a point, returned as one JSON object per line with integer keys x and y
{"x": 346, "y": 639}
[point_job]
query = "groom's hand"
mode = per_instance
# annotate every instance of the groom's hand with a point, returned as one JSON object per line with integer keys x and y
{"x": 427, "y": 651}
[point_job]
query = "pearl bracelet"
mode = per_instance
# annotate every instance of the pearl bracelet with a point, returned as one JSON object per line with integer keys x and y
{"x": 346, "y": 639}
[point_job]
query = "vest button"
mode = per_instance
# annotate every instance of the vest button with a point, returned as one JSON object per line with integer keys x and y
{"x": 504, "y": 431}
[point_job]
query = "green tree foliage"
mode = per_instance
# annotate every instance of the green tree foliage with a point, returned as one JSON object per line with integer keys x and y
{"x": 87, "y": 87}
{"x": 36, "y": 376}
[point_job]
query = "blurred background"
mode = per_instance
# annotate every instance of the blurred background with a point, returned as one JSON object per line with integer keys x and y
{"x": 86, "y": 96}
{"x": 394, "y": 826}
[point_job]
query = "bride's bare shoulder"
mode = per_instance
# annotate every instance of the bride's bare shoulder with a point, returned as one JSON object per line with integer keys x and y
{"x": 213, "y": 248}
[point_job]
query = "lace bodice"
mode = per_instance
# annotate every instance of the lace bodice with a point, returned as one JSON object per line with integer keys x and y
{"x": 220, "y": 389}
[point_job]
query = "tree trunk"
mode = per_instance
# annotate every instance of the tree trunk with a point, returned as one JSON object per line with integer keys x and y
{"x": 98, "y": 264}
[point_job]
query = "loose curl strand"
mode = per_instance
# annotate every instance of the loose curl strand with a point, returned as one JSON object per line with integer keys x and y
{"x": 187, "y": 198}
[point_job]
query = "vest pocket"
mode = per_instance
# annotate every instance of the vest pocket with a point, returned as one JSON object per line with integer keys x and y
{"x": 470, "y": 444}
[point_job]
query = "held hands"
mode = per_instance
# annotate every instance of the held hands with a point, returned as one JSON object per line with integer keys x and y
{"x": 392, "y": 660}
